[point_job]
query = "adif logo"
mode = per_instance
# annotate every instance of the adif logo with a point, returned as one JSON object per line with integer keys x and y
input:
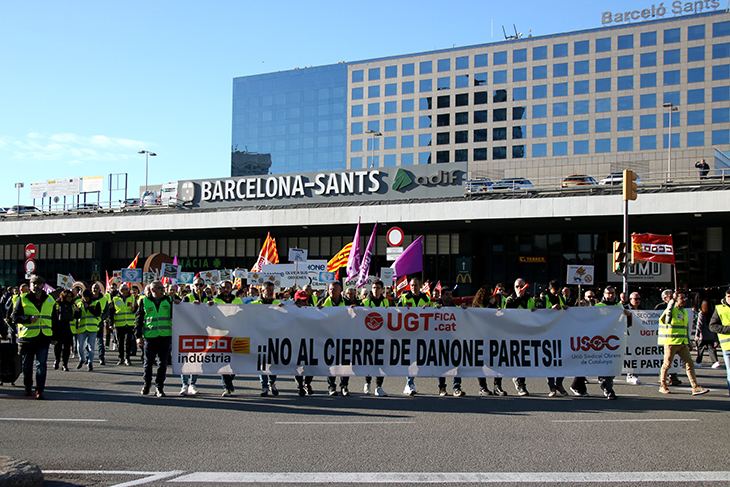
{"x": 596, "y": 343}
{"x": 402, "y": 180}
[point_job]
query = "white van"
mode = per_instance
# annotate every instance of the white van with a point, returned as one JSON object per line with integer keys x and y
{"x": 168, "y": 194}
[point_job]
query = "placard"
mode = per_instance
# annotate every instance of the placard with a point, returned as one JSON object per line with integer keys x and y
{"x": 186, "y": 278}
{"x": 387, "y": 274}
{"x": 240, "y": 273}
{"x": 298, "y": 255}
{"x": 132, "y": 275}
{"x": 580, "y": 274}
{"x": 170, "y": 271}
{"x": 211, "y": 277}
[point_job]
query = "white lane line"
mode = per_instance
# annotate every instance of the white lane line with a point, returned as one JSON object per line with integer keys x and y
{"x": 345, "y": 422}
{"x": 455, "y": 477}
{"x": 657, "y": 420}
{"x": 57, "y": 420}
{"x": 150, "y": 476}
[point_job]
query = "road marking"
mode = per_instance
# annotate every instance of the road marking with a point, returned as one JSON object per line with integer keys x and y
{"x": 455, "y": 477}
{"x": 345, "y": 422}
{"x": 57, "y": 420}
{"x": 150, "y": 476}
{"x": 657, "y": 420}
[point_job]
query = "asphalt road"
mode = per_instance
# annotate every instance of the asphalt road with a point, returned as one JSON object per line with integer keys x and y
{"x": 96, "y": 429}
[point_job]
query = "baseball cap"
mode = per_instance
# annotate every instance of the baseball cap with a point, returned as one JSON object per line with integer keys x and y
{"x": 301, "y": 295}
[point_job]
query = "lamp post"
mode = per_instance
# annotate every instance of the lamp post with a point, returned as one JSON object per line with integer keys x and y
{"x": 372, "y": 148}
{"x": 671, "y": 108}
{"x": 19, "y": 185}
{"x": 146, "y": 165}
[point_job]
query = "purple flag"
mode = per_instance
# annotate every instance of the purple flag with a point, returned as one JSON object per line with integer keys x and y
{"x": 365, "y": 265}
{"x": 353, "y": 261}
{"x": 411, "y": 260}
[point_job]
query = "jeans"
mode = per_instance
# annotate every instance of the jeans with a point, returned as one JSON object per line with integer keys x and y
{"x": 158, "y": 347}
{"x": 410, "y": 382}
{"x": 100, "y": 341}
{"x": 378, "y": 381}
{"x": 189, "y": 379}
{"x": 457, "y": 382}
{"x": 227, "y": 381}
{"x": 86, "y": 338}
{"x": 332, "y": 382}
{"x": 267, "y": 379}
{"x": 125, "y": 337}
{"x": 683, "y": 351}
{"x": 38, "y": 353}
{"x": 726, "y": 354}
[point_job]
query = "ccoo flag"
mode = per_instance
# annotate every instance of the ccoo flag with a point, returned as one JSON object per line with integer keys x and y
{"x": 268, "y": 254}
{"x": 411, "y": 260}
{"x": 362, "y": 276}
{"x": 652, "y": 248}
{"x": 353, "y": 261}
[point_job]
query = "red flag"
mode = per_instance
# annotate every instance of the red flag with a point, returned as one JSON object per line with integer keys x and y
{"x": 652, "y": 248}
{"x": 134, "y": 263}
{"x": 107, "y": 280}
{"x": 402, "y": 286}
{"x": 426, "y": 289}
{"x": 438, "y": 287}
{"x": 268, "y": 254}
{"x": 337, "y": 275}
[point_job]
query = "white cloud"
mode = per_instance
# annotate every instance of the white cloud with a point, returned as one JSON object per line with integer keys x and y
{"x": 71, "y": 148}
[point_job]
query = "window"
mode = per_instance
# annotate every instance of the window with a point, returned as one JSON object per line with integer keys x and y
{"x": 603, "y": 45}
{"x": 560, "y": 89}
{"x": 560, "y": 148}
{"x": 647, "y": 59}
{"x": 695, "y": 139}
{"x": 480, "y": 60}
{"x": 425, "y": 67}
{"x": 424, "y": 121}
{"x": 499, "y": 133}
{"x": 519, "y": 113}
{"x": 443, "y": 83}
{"x": 357, "y": 93}
{"x": 539, "y": 72}
{"x": 425, "y": 85}
{"x": 443, "y": 120}
{"x": 539, "y": 150}
{"x": 581, "y": 47}
{"x": 480, "y": 135}
{"x": 603, "y": 84}
{"x": 408, "y": 87}
{"x": 480, "y": 154}
{"x": 499, "y": 153}
{"x": 560, "y": 50}
{"x": 462, "y": 81}
{"x": 519, "y": 132}
{"x": 625, "y": 144}
{"x": 461, "y": 137}
{"x": 603, "y": 145}
{"x": 480, "y": 79}
{"x": 373, "y": 74}
{"x": 626, "y": 62}
{"x": 373, "y": 91}
{"x": 696, "y": 117}
{"x": 357, "y": 76}
{"x": 671, "y": 57}
{"x": 391, "y": 107}
{"x": 443, "y": 101}
{"x": 406, "y": 159}
{"x": 560, "y": 70}
{"x": 356, "y": 145}
{"x": 625, "y": 83}
{"x": 443, "y": 138}
{"x": 356, "y": 128}
{"x": 356, "y": 162}
{"x": 721, "y": 29}
{"x": 648, "y": 80}
{"x": 675, "y": 140}
{"x": 373, "y": 108}
{"x": 406, "y": 123}
{"x": 539, "y": 91}
{"x": 424, "y": 103}
{"x": 626, "y": 42}
{"x": 580, "y": 127}
{"x": 408, "y": 69}
{"x": 461, "y": 155}
{"x": 560, "y": 109}
{"x": 500, "y": 57}
{"x": 695, "y": 96}
{"x": 721, "y": 72}
{"x": 720, "y": 51}
{"x": 519, "y": 74}
{"x": 581, "y": 87}
{"x": 721, "y": 93}
{"x": 647, "y": 101}
{"x": 647, "y": 142}
{"x": 625, "y": 103}
{"x": 518, "y": 152}
{"x": 603, "y": 105}
{"x": 498, "y": 115}
{"x": 424, "y": 158}
{"x": 499, "y": 96}
{"x": 391, "y": 89}
{"x": 539, "y": 130}
{"x": 390, "y": 125}
{"x": 499, "y": 77}
{"x": 675, "y": 119}
{"x": 560, "y": 128}
{"x": 581, "y": 67}
{"x": 603, "y": 65}
{"x": 424, "y": 140}
{"x": 696, "y": 53}
{"x": 462, "y": 62}
{"x": 444, "y": 65}
{"x": 695, "y": 32}
{"x": 648, "y": 39}
{"x": 519, "y": 55}
{"x": 580, "y": 147}
{"x": 672, "y": 36}
{"x": 407, "y": 106}
{"x": 374, "y": 125}
{"x": 625, "y": 123}
{"x": 720, "y": 115}
{"x": 696, "y": 75}
{"x": 671, "y": 97}
{"x": 539, "y": 111}
{"x": 389, "y": 142}
{"x": 539, "y": 53}
{"x": 356, "y": 111}
{"x": 481, "y": 116}
{"x": 519, "y": 93}
{"x": 391, "y": 71}
{"x": 671, "y": 78}
{"x": 462, "y": 99}
{"x": 720, "y": 137}
{"x": 406, "y": 141}
{"x": 647, "y": 121}
{"x": 603, "y": 125}
{"x": 480, "y": 97}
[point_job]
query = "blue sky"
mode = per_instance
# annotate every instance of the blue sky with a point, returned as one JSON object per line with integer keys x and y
{"x": 84, "y": 85}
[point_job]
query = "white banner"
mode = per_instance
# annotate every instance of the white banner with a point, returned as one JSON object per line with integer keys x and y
{"x": 338, "y": 341}
{"x": 643, "y": 355}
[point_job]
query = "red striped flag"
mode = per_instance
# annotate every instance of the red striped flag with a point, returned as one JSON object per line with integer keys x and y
{"x": 134, "y": 263}
{"x": 268, "y": 254}
{"x": 340, "y": 259}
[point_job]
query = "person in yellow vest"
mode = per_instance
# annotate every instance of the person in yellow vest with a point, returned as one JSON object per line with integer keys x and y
{"x": 268, "y": 382}
{"x": 412, "y": 298}
{"x": 520, "y": 299}
{"x": 123, "y": 310}
{"x": 12, "y": 327}
{"x": 33, "y": 316}
{"x": 304, "y": 383}
{"x": 87, "y": 328}
{"x": 554, "y": 300}
{"x": 720, "y": 324}
{"x": 336, "y": 298}
{"x": 226, "y": 296}
{"x": 153, "y": 329}
{"x": 673, "y": 333}
{"x": 376, "y": 299}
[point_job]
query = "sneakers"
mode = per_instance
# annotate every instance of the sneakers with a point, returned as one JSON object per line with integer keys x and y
{"x": 483, "y": 391}
{"x": 120, "y": 362}
{"x": 345, "y": 391}
{"x": 664, "y": 389}
{"x": 159, "y": 392}
{"x": 576, "y": 392}
{"x": 308, "y": 388}
{"x": 145, "y": 389}
{"x": 39, "y": 395}
{"x": 366, "y": 389}
{"x": 632, "y": 379}
{"x": 302, "y": 392}
{"x": 442, "y": 391}
{"x": 380, "y": 392}
{"x": 55, "y": 365}
{"x": 409, "y": 391}
{"x": 64, "y": 368}
{"x": 264, "y": 391}
{"x": 498, "y": 391}
{"x": 698, "y": 365}
{"x": 273, "y": 389}
{"x": 184, "y": 390}
{"x": 459, "y": 393}
{"x": 561, "y": 390}
{"x": 90, "y": 367}
{"x": 332, "y": 391}
{"x": 699, "y": 390}
{"x": 553, "y": 393}
{"x": 102, "y": 362}
{"x": 127, "y": 362}
{"x": 522, "y": 391}
{"x": 81, "y": 364}
{"x": 226, "y": 392}
{"x": 716, "y": 365}
{"x": 192, "y": 390}
{"x": 610, "y": 395}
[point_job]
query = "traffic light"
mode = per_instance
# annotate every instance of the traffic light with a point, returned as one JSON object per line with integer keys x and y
{"x": 619, "y": 257}
{"x": 629, "y": 185}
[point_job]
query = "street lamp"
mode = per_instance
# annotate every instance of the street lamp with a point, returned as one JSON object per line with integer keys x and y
{"x": 146, "y": 165}
{"x": 671, "y": 108}
{"x": 19, "y": 185}
{"x": 372, "y": 148}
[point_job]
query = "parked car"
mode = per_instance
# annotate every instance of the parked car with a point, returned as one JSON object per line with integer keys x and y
{"x": 480, "y": 185}
{"x": 578, "y": 180}
{"x": 513, "y": 183}
{"x": 3, "y": 209}
{"x": 20, "y": 209}
{"x": 616, "y": 179}
{"x": 151, "y": 198}
{"x": 129, "y": 203}
{"x": 168, "y": 193}
{"x": 86, "y": 207}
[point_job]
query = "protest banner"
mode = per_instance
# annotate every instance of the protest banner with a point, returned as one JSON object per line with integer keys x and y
{"x": 341, "y": 341}
{"x": 642, "y": 354}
